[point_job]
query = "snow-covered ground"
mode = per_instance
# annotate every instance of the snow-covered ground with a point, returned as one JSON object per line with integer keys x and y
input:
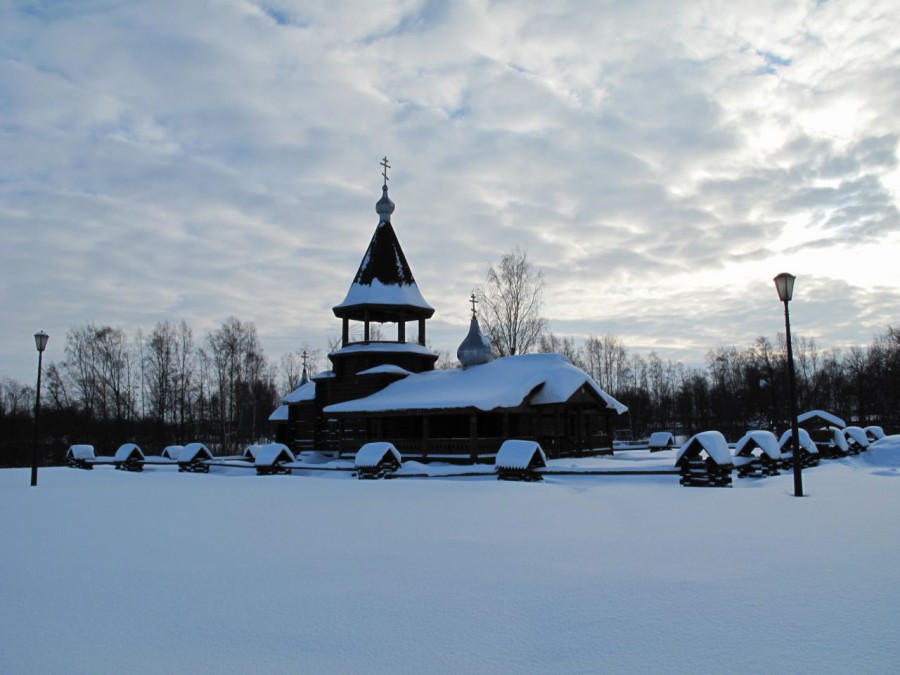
{"x": 111, "y": 572}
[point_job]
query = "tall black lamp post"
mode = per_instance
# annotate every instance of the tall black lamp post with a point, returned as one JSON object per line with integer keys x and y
{"x": 40, "y": 341}
{"x": 784, "y": 284}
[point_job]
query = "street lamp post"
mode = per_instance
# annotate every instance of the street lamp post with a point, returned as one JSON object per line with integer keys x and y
{"x": 784, "y": 284}
{"x": 40, "y": 341}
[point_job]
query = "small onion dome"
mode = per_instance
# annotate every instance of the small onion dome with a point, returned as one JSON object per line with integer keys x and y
{"x": 384, "y": 207}
{"x": 475, "y": 349}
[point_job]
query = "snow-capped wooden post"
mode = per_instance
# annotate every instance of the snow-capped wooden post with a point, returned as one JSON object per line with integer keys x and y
{"x": 705, "y": 461}
{"x": 376, "y": 460}
{"x": 518, "y": 460}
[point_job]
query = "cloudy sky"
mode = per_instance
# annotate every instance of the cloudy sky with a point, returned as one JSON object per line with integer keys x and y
{"x": 659, "y": 161}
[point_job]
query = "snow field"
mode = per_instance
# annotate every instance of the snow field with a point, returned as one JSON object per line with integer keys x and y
{"x": 109, "y": 572}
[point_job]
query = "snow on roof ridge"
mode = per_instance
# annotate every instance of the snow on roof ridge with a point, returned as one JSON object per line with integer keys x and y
{"x": 191, "y": 451}
{"x": 804, "y": 438}
{"x": 713, "y": 442}
{"x": 517, "y": 454}
{"x": 371, "y": 454}
{"x": 827, "y": 416}
{"x": 268, "y": 454}
{"x": 502, "y": 383}
{"x": 765, "y": 440}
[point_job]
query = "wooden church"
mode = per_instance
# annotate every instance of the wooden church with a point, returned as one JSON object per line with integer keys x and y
{"x": 388, "y": 390}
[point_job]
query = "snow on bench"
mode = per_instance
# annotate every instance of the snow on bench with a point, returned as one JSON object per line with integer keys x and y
{"x": 857, "y": 440}
{"x": 171, "y": 451}
{"x": 809, "y": 453}
{"x": 518, "y": 459}
{"x": 270, "y": 458}
{"x": 705, "y": 461}
{"x": 874, "y": 432}
{"x": 193, "y": 458}
{"x": 661, "y": 440}
{"x": 80, "y": 456}
{"x": 129, "y": 457}
{"x": 377, "y": 459}
{"x": 757, "y": 455}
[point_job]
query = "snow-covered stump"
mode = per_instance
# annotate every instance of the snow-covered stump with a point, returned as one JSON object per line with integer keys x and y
{"x": 129, "y": 457}
{"x": 661, "y": 440}
{"x": 705, "y": 461}
{"x": 270, "y": 459}
{"x": 377, "y": 460}
{"x": 80, "y": 456}
{"x": 757, "y": 455}
{"x": 193, "y": 458}
{"x": 519, "y": 460}
{"x": 809, "y": 453}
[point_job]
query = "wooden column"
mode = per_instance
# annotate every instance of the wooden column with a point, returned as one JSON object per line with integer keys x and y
{"x": 345, "y": 331}
{"x": 473, "y": 436}
{"x": 422, "y": 332}
{"x": 401, "y": 330}
{"x": 425, "y": 434}
{"x": 366, "y": 320}
{"x": 558, "y": 440}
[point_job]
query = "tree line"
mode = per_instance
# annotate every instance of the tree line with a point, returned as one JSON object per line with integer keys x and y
{"x": 155, "y": 389}
{"x": 741, "y": 388}
{"x": 165, "y": 388}
{"x": 737, "y": 388}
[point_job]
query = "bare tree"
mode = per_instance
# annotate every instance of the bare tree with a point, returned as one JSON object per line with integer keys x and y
{"x": 606, "y": 359}
{"x": 511, "y": 305}
{"x": 240, "y": 379}
{"x": 158, "y": 366}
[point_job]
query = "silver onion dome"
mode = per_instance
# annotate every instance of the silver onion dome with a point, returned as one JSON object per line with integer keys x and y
{"x": 475, "y": 349}
{"x": 384, "y": 207}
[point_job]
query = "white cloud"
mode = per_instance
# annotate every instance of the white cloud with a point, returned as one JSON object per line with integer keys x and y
{"x": 162, "y": 160}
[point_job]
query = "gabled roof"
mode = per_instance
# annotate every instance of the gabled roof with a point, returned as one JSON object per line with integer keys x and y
{"x": 128, "y": 450}
{"x": 760, "y": 438}
{"x": 519, "y": 454}
{"x": 372, "y": 454}
{"x": 508, "y": 383}
{"x": 803, "y": 437}
{"x": 81, "y": 452}
{"x": 304, "y": 392}
{"x": 825, "y": 417}
{"x": 192, "y": 452}
{"x": 713, "y": 442}
{"x": 270, "y": 453}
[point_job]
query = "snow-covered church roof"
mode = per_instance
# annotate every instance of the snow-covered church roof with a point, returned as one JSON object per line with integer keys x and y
{"x": 504, "y": 383}
{"x": 384, "y": 284}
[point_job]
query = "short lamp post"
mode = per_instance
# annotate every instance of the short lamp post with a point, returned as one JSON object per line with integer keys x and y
{"x": 784, "y": 284}
{"x": 40, "y": 341}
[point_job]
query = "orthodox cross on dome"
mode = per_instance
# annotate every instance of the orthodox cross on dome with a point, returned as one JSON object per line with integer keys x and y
{"x": 384, "y": 163}
{"x": 473, "y": 300}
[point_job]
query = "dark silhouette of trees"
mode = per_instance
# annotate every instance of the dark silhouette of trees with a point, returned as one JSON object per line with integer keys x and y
{"x": 162, "y": 388}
